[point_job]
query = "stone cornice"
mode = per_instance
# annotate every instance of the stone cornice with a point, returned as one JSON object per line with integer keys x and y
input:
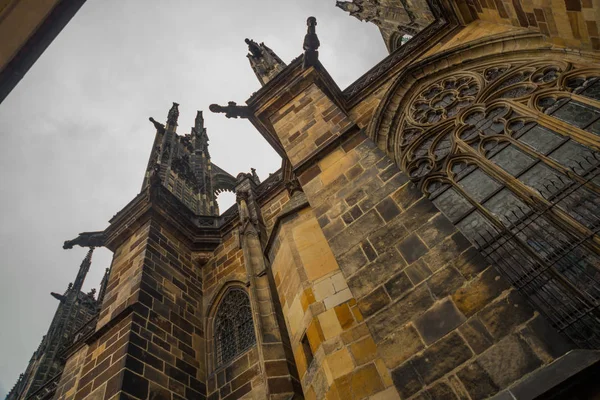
{"x": 156, "y": 202}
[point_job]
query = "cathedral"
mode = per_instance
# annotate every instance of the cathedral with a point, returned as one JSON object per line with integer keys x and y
{"x": 432, "y": 233}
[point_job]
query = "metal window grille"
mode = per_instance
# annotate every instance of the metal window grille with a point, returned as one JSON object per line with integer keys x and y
{"x": 234, "y": 328}
{"x": 557, "y": 270}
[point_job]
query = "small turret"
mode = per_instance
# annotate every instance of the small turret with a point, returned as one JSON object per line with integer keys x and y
{"x": 264, "y": 62}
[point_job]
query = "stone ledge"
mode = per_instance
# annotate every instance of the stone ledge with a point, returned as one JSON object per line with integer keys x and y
{"x": 548, "y": 379}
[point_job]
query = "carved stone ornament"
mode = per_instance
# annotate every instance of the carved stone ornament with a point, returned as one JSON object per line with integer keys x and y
{"x": 311, "y": 43}
{"x": 231, "y": 110}
{"x": 253, "y": 48}
{"x": 86, "y": 239}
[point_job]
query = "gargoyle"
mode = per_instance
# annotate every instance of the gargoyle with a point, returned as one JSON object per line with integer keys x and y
{"x": 86, "y": 239}
{"x": 159, "y": 127}
{"x": 231, "y": 110}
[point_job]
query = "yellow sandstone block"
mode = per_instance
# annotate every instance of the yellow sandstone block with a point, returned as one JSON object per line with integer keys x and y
{"x": 315, "y": 335}
{"x": 330, "y": 324}
{"x": 344, "y": 316}
{"x": 307, "y": 298}
{"x": 364, "y": 350}
{"x": 340, "y": 363}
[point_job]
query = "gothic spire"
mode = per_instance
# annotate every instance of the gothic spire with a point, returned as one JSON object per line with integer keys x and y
{"x": 264, "y": 62}
{"x": 173, "y": 115}
{"x": 83, "y": 270}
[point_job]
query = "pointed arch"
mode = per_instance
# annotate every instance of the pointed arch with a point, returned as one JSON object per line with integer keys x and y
{"x": 504, "y": 138}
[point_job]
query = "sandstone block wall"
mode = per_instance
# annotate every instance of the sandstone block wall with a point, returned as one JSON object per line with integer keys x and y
{"x": 333, "y": 349}
{"x": 442, "y": 320}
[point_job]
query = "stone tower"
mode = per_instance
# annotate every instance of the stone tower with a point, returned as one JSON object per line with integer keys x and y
{"x": 182, "y": 164}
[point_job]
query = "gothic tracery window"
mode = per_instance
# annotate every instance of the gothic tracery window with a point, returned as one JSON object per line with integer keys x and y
{"x": 526, "y": 189}
{"x": 234, "y": 327}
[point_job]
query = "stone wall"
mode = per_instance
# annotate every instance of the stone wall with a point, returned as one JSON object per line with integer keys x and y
{"x": 242, "y": 375}
{"x": 333, "y": 349}
{"x": 441, "y": 319}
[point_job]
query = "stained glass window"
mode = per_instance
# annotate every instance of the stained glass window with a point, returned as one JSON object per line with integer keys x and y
{"x": 234, "y": 328}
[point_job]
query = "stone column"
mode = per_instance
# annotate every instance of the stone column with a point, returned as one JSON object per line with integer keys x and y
{"x": 273, "y": 345}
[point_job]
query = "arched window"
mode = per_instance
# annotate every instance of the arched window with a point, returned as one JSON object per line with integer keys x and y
{"x": 234, "y": 328}
{"x": 511, "y": 155}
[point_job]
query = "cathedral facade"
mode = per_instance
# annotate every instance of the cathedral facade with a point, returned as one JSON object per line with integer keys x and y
{"x": 432, "y": 232}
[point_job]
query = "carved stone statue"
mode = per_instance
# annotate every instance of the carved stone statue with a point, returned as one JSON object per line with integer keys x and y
{"x": 253, "y": 48}
{"x": 311, "y": 43}
{"x": 361, "y": 9}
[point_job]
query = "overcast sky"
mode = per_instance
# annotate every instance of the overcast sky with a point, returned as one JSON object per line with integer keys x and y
{"x": 75, "y": 136}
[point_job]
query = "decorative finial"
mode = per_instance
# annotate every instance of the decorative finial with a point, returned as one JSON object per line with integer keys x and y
{"x": 253, "y": 48}
{"x": 199, "y": 122}
{"x": 231, "y": 110}
{"x": 311, "y": 43}
{"x": 173, "y": 115}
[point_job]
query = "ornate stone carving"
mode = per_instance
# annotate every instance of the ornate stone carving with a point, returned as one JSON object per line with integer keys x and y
{"x": 86, "y": 239}
{"x": 231, "y": 110}
{"x": 311, "y": 43}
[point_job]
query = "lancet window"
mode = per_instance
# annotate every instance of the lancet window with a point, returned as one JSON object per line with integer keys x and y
{"x": 234, "y": 327}
{"x": 510, "y": 154}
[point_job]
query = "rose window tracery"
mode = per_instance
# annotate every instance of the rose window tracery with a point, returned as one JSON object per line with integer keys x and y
{"x": 444, "y": 99}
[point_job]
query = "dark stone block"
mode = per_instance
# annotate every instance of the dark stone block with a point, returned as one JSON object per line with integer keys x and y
{"x": 187, "y": 368}
{"x": 442, "y": 391}
{"x": 418, "y": 214}
{"x": 158, "y": 392}
{"x": 480, "y": 292}
{"x": 445, "y": 282}
{"x": 436, "y": 230}
{"x": 280, "y": 385}
{"x": 508, "y": 360}
{"x": 439, "y": 320}
{"x": 398, "y": 286}
{"x": 446, "y": 251}
{"x": 368, "y": 278}
{"x": 471, "y": 262}
{"x": 353, "y": 261}
{"x": 355, "y": 233}
{"x": 413, "y": 304}
{"x": 417, "y": 272}
{"x": 407, "y": 195}
{"x": 476, "y": 335}
{"x": 177, "y": 374}
{"x": 477, "y": 382}
{"x": 134, "y": 384}
{"x": 503, "y": 316}
{"x": 406, "y": 380}
{"x": 373, "y": 302}
{"x": 388, "y": 235}
{"x": 442, "y": 357}
{"x": 412, "y": 248}
{"x": 191, "y": 394}
{"x": 368, "y": 250}
{"x": 544, "y": 338}
{"x": 387, "y": 209}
